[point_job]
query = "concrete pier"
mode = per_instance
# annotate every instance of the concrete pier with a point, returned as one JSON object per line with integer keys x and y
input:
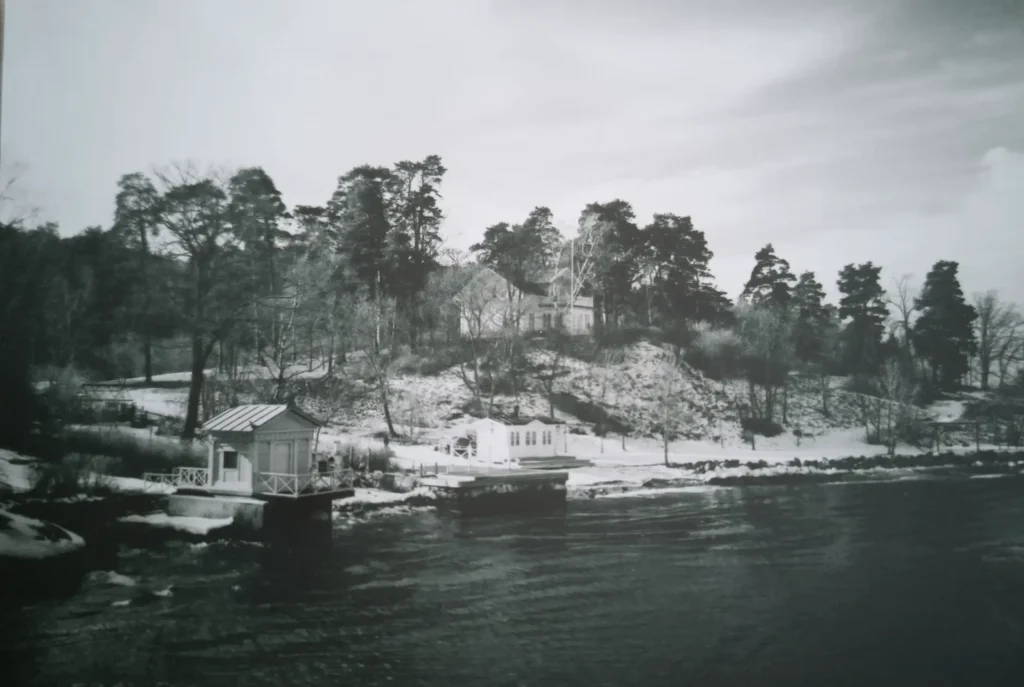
{"x": 513, "y": 491}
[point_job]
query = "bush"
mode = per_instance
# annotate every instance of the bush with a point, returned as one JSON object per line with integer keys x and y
{"x": 133, "y": 455}
{"x": 624, "y": 336}
{"x": 718, "y": 353}
{"x": 430, "y": 363}
{"x": 590, "y": 413}
{"x": 762, "y": 426}
{"x": 366, "y": 458}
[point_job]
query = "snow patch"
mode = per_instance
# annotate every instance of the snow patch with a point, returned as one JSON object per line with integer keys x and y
{"x": 189, "y": 525}
{"x": 22, "y": 537}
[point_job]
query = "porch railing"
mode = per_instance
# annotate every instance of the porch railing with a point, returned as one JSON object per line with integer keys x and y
{"x": 288, "y": 484}
{"x": 179, "y": 477}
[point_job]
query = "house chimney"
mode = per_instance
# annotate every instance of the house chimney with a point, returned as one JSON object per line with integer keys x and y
{"x": 515, "y": 410}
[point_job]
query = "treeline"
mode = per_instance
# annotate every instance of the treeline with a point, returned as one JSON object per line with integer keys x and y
{"x": 220, "y": 265}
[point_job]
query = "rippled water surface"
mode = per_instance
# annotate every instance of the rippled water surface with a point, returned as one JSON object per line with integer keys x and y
{"x": 908, "y": 583}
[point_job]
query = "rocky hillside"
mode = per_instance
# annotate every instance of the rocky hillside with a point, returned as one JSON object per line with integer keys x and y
{"x": 627, "y": 390}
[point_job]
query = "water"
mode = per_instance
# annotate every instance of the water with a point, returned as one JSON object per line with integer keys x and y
{"x": 906, "y": 583}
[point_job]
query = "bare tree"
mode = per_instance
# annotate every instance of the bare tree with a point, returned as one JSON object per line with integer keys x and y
{"x": 768, "y": 342}
{"x": 549, "y": 365}
{"x": 997, "y": 327}
{"x": 895, "y": 411}
{"x": 902, "y": 299}
{"x": 376, "y": 326}
{"x": 671, "y": 412}
{"x": 193, "y": 210}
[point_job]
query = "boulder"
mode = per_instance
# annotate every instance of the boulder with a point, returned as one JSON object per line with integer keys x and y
{"x": 38, "y": 558}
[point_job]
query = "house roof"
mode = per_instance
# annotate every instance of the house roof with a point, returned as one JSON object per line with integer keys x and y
{"x": 247, "y": 418}
{"x": 506, "y": 419}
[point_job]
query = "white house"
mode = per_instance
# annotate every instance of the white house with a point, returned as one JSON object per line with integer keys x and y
{"x": 506, "y": 439}
{"x": 488, "y": 304}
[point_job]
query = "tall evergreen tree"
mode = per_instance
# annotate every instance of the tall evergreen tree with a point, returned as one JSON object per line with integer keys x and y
{"x": 811, "y": 319}
{"x": 521, "y": 253}
{"x": 212, "y": 300}
{"x": 944, "y": 333}
{"x": 617, "y": 248}
{"x": 863, "y": 304}
{"x": 675, "y": 257}
{"x": 257, "y": 215}
{"x": 415, "y": 214}
{"x": 136, "y": 220}
{"x": 769, "y": 283}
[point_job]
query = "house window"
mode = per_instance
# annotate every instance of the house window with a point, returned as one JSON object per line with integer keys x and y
{"x": 231, "y": 460}
{"x": 531, "y": 322}
{"x": 547, "y": 320}
{"x": 517, "y": 438}
{"x": 559, "y": 321}
{"x": 511, "y": 438}
{"x": 529, "y": 440}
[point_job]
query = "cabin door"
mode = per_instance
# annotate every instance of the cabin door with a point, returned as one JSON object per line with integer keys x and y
{"x": 282, "y": 458}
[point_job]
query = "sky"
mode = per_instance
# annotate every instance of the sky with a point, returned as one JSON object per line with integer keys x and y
{"x": 840, "y": 131}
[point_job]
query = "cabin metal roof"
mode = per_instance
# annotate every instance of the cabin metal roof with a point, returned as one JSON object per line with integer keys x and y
{"x": 247, "y": 418}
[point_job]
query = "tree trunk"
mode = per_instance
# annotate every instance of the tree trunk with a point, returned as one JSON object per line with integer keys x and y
{"x": 785, "y": 404}
{"x": 147, "y": 355}
{"x": 387, "y": 408}
{"x": 195, "y": 389}
{"x": 665, "y": 445}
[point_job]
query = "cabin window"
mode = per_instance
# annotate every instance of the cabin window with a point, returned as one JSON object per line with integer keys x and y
{"x": 231, "y": 460}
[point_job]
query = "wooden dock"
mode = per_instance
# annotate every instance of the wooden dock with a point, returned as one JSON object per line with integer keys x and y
{"x": 512, "y": 491}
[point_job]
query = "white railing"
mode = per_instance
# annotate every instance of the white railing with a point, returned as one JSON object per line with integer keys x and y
{"x": 192, "y": 477}
{"x": 288, "y": 484}
{"x": 155, "y": 479}
{"x": 180, "y": 477}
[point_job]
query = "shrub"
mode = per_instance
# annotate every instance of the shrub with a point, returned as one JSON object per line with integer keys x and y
{"x": 133, "y": 455}
{"x": 430, "y": 363}
{"x": 624, "y": 336}
{"x": 718, "y": 353}
{"x": 366, "y": 458}
{"x": 762, "y": 426}
{"x": 590, "y": 413}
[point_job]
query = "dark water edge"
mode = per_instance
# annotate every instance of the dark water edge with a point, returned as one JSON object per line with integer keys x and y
{"x": 898, "y": 583}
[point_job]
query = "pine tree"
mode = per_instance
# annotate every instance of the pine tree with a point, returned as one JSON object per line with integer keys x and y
{"x": 136, "y": 221}
{"x": 769, "y": 283}
{"x": 863, "y": 304}
{"x": 944, "y": 333}
{"x": 811, "y": 319}
{"x": 616, "y": 254}
{"x": 674, "y": 260}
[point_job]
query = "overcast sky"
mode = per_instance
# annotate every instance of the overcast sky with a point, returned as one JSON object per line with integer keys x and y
{"x": 884, "y": 130}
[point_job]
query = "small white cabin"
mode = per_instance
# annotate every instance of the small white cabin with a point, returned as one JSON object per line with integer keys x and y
{"x": 506, "y": 439}
{"x": 261, "y": 449}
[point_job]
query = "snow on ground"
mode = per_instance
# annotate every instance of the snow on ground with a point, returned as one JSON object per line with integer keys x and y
{"x": 22, "y": 537}
{"x": 17, "y": 472}
{"x": 197, "y": 526}
{"x": 946, "y": 411}
{"x": 133, "y": 485}
{"x": 379, "y": 496}
{"x": 157, "y": 401}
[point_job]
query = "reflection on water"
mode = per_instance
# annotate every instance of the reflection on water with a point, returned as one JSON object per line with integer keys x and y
{"x": 885, "y": 584}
